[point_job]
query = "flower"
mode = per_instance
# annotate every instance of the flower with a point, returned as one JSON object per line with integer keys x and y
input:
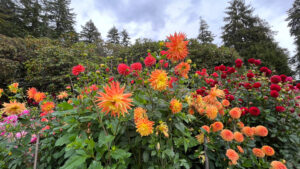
{"x": 238, "y": 137}
{"x": 257, "y": 62}
{"x": 275, "y": 79}
{"x": 200, "y": 138}
{"x": 277, "y": 165}
{"x": 248, "y": 131}
{"x": 206, "y": 128}
{"x": 274, "y": 93}
{"x": 47, "y": 107}
{"x": 217, "y": 126}
{"x": 254, "y": 111}
{"x": 31, "y": 92}
{"x": 235, "y": 113}
{"x": 62, "y": 95}
{"x": 177, "y": 47}
{"x": 136, "y": 66}
{"x": 33, "y": 138}
{"x": 144, "y": 127}
{"x": 269, "y": 151}
{"x": 225, "y": 102}
{"x": 21, "y": 134}
{"x": 227, "y": 135}
{"x": 241, "y": 150}
{"x": 139, "y": 113}
{"x": 261, "y": 131}
{"x": 149, "y": 60}
{"x": 171, "y": 81}
{"x": 13, "y": 108}
{"x": 182, "y": 69}
{"x": 232, "y": 155}
{"x": 275, "y": 87}
{"x": 13, "y": 87}
{"x": 175, "y": 106}
{"x": 238, "y": 63}
{"x": 251, "y": 60}
{"x": 256, "y": 85}
{"x": 158, "y": 80}
{"x": 114, "y": 100}
{"x": 258, "y": 152}
{"x": 280, "y": 108}
{"x": 211, "y": 111}
{"x": 39, "y": 96}
{"x": 46, "y": 127}
{"x": 1, "y": 91}
{"x": 213, "y": 94}
{"x": 123, "y": 69}
{"x": 76, "y": 70}
{"x": 162, "y": 128}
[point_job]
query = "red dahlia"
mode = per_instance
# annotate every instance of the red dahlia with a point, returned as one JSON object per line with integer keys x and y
{"x": 76, "y": 70}
{"x": 254, "y": 111}
{"x": 123, "y": 69}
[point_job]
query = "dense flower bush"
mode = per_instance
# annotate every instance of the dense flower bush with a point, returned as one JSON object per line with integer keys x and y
{"x": 161, "y": 115}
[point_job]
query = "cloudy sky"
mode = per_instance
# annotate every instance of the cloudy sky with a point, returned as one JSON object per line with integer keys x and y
{"x": 155, "y": 19}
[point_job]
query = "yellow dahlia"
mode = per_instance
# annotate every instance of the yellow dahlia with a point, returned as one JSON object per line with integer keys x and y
{"x": 13, "y": 87}
{"x": 114, "y": 100}
{"x": 211, "y": 111}
{"x": 182, "y": 69}
{"x": 14, "y": 107}
{"x": 144, "y": 127}
{"x": 177, "y": 47}
{"x": 159, "y": 80}
{"x": 162, "y": 128}
{"x": 175, "y": 106}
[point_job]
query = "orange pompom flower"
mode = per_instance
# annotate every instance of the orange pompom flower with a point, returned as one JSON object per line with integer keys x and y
{"x": 177, "y": 47}
{"x": 182, "y": 69}
{"x": 268, "y": 150}
{"x": 258, "y": 152}
{"x": 232, "y": 155}
{"x": 261, "y": 131}
{"x": 206, "y": 128}
{"x": 235, "y": 113}
{"x": 114, "y": 100}
{"x": 217, "y": 126}
{"x": 248, "y": 131}
{"x": 13, "y": 108}
{"x": 139, "y": 113}
{"x": 144, "y": 127}
{"x": 241, "y": 150}
{"x": 31, "y": 92}
{"x": 227, "y": 135}
{"x": 211, "y": 112}
{"x": 277, "y": 165}
{"x": 159, "y": 80}
{"x": 238, "y": 137}
{"x": 225, "y": 103}
{"x": 47, "y": 107}
{"x": 39, "y": 96}
{"x": 175, "y": 106}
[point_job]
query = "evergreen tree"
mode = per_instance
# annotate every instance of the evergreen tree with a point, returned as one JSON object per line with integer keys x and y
{"x": 294, "y": 24}
{"x": 252, "y": 37}
{"x": 90, "y": 33}
{"x": 125, "y": 38}
{"x": 205, "y": 36}
{"x": 113, "y": 36}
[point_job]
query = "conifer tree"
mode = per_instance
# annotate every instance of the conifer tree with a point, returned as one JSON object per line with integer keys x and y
{"x": 113, "y": 36}
{"x": 205, "y": 36}
{"x": 90, "y": 33}
{"x": 125, "y": 38}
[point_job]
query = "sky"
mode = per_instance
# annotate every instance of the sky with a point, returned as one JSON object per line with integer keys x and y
{"x": 156, "y": 19}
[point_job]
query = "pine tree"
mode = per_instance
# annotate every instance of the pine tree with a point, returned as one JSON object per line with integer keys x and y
{"x": 294, "y": 24}
{"x": 205, "y": 36}
{"x": 113, "y": 35}
{"x": 90, "y": 33}
{"x": 125, "y": 38}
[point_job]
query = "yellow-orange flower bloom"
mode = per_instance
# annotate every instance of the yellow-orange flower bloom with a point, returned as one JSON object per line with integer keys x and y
{"x": 248, "y": 131}
{"x": 1, "y": 91}
{"x": 31, "y": 92}
{"x": 13, "y": 108}
{"x": 114, "y": 100}
{"x": 159, "y": 80}
{"x": 47, "y": 107}
{"x": 258, "y": 152}
{"x": 182, "y": 69}
{"x": 241, "y": 150}
{"x": 162, "y": 128}
{"x": 62, "y": 95}
{"x": 200, "y": 138}
{"x": 227, "y": 135}
{"x": 240, "y": 125}
{"x": 206, "y": 128}
{"x": 177, "y": 47}
{"x": 235, "y": 113}
{"x": 139, "y": 113}
{"x": 211, "y": 111}
{"x": 175, "y": 106}
{"x": 232, "y": 155}
{"x": 144, "y": 127}
{"x": 217, "y": 126}
{"x": 13, "y": 87}
{"x": 268, "y": 150}
{"x": 261, "y": 131}
{"x": 225, "y": 103}
{"x": 214, "y": 92}
{"x": 39, "y": 96}
{"x": 277, "y": 165}
{"x": 238, "y": 136}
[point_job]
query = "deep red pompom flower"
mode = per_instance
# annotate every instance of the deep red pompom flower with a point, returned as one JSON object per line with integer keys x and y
{"x": 238, "y": 63}
{"x": 257, "y": 62}
{"x": 76, "y": 70}
{"x": 136, "y": 66}
{"x": 222, "y": 68}
{"x": 280, "y": 108}
{"x": 149, "y": 60}
{"x": 275, "y": 87}
{"x": 274, "y": 93}
{"x": 123, "y": 69}
{"x": 250, "y": 75}
{"x": 229, "y": 97}
{"x": 244, "y": 110}
{"x": 283, "y": 78}
{"x": 275, "y": 79}
{"x": 251, "y": 60}
{"x": 254, "y": 111}
{"x": 256, "y": 85}
{"x": 298, "y": 85}
{"x": 248, "y": 86}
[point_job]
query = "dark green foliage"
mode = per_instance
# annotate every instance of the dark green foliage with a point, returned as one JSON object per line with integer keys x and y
{"x": 125, "y": 38}
{"x": 90, "y": 33}
{"x": 113, "y": 36}
{"x": 205, "y": 36}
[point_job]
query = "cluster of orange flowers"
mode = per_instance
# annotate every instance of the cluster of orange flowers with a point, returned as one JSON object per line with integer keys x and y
{"x": 143, "y": 124}
{"x": 37, "y": 96}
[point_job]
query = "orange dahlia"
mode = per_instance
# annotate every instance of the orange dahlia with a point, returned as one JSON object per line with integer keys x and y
{"x": 62, "y": 95}
{"x": 13, "y": 87}
{"x": 159, "y": 80}
{"x": 182, "y": 69}
{"x": 144, "y": 127}
{"x": 211, "y": 111}
{"x": 227, "y": 135}
{"x": 238, "y": 136}
{"x": 261, "y": 131}
{"x": 162, "y": 128}
{"x": 114, "y": 100}
{"x": 240, "y": 125}
{"x": 268, "y": 150}
{"x": 1, "y": 91}
{"x": 232, "y": 155}
{"x": 225, "y": 103}
{"x": 177, "y": 47}
{"x": 47, "y": 107}
{"x": 235, "y": 113}
{"x": 241, "y": 150}
{"x": 258, "y": 152}
{"x": 206, "y": 128}
{"x": 248, "y": 131}
{"x": 214, "y": 92}
{"x": 217, "y": 126}
{"x": 13, "y": 108}
{"x": 31, "y": 92}
{"x": 277, "y": 165}
{"x": 39, "y": 96}
{"x": 139, "y": 113}
{"x": 175, "y": 106}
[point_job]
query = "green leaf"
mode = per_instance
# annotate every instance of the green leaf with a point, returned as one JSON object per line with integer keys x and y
{"x": 103, "y": 139}
{"x": 95, "y": 165}
{"x": 247, "y": 163}
{"x": 74, "y": 161}
{"x": 120, "y": 154}
{"x": 145, "y": 156}
{"x": 63, "y": 140}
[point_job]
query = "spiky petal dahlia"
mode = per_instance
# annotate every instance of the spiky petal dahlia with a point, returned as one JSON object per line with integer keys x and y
{"x": 159, "y": 80}
{"x": 114, "y": 100}
{"x": 39, "y": 96}
{"x": 162, "y": 128}
{"x": 13, "y": 107}
{"x": 175, "y": 106}
{"x": 182, "y": 69}
{"x": 31, "y": 92}
{"x": 177, "y": 47}
{"x": 144, "y": 127}
{"x": 139, "y": 113}
{"x": 47, "y": 107}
